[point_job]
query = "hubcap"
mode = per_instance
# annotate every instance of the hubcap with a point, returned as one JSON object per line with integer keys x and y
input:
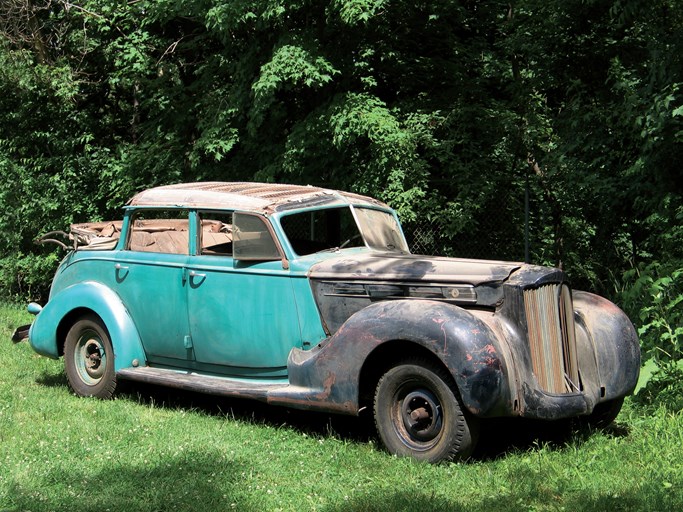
{"x": 421, "y": 415}
{"x": 90, "y": 358}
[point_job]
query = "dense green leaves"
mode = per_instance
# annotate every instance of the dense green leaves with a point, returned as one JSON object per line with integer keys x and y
{"x": 448, "y": 110}
{"x": 654, "y": 296}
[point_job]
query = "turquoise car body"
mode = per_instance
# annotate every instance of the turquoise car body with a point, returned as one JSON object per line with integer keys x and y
{"x": 166, "y": 300}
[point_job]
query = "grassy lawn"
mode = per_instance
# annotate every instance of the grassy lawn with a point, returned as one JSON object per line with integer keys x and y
{"x": 153, "y": 449}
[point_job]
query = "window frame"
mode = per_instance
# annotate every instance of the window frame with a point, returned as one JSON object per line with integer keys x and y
{"x": 273, "y": 235}
{"x": 180, "y": 214}
{"x": 200, "y": 216}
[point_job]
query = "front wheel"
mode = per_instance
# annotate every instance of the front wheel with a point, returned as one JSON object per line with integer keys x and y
{"x": 418, "y": 414}
{"x": 89, "y": 359}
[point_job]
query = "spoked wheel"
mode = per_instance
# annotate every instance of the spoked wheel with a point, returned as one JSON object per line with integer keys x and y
{"x": 418, "y": 414}
{"x": 89, "y": 359}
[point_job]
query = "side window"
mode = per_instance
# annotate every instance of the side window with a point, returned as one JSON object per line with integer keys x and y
{"x": 161, "y": 231}
{"x": 252, "y": 240}
{"x": 215, "y": 236}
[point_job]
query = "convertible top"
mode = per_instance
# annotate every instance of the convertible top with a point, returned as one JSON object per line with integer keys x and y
{"x": 262, "y": 198}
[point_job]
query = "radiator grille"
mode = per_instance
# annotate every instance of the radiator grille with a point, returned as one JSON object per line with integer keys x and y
{"x": 552, "y": 342}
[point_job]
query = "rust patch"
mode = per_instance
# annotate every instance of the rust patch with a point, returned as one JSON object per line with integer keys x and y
{"x": 327, "y": 387}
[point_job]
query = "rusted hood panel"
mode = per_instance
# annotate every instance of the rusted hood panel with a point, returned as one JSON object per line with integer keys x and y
{"x": 412, "y": 267}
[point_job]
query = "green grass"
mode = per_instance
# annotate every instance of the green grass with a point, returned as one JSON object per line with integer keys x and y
{"x": 153, "y": 449}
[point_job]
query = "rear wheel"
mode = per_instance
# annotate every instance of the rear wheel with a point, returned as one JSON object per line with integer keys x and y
{"x": 419, "y": 414}
{"x": 89, "y": 359}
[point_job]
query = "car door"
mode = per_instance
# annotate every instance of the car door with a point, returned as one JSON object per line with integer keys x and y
{"x": 151, "y": 281}
{"x": 242, "y": 312}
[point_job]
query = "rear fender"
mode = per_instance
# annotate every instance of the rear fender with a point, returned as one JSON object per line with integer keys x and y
{"x": 98, "y": 299}
{"x": 465, "y": 345}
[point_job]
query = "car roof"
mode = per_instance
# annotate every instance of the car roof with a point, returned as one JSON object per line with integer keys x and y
{"x": 262, "y": 198}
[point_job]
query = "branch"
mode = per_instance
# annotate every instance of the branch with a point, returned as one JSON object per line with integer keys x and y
{"x": 68, "y": 5}
{"x": 171, "y": 48}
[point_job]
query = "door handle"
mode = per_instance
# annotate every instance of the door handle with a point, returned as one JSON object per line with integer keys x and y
{"x": 192, "y": 274}
{"x": 120, "y": 272}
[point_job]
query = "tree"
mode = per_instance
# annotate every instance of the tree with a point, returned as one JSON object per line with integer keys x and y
{"x": 445, "y": 109}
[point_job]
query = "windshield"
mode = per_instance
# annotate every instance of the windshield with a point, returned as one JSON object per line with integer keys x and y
{"x": 381, "y": 230}
{"x": 332, "y": 229}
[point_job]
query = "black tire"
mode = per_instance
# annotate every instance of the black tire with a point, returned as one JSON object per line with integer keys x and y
{"x": 89, "y": 359}
{"x": 418, "y": 413}
{"x": 604, "y": 414}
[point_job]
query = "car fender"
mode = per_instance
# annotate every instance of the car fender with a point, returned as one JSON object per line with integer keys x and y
{"x": 465, "y": 345}
{"x": 611, "y": 336}
{"x": 98, "y": 299}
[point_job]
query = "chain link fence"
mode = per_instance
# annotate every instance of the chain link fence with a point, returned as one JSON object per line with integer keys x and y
{"x": 432, "y": 238}
{"x": 497, "y": 233}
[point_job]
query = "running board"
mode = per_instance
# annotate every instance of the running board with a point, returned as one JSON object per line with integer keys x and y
{"x": 222, "y": 386}
{"x": 298, "y": 397}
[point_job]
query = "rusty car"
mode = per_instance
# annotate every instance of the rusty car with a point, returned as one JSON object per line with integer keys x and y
{"x": 309, "y": 298}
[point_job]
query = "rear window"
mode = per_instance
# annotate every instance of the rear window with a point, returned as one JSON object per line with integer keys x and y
{"x": 160, "y": 231}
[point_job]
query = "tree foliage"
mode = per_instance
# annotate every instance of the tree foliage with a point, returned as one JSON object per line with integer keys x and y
{"x": 448, "y": 110}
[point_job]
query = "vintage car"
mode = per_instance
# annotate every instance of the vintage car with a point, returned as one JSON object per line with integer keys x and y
{"x": 309, "y": 298}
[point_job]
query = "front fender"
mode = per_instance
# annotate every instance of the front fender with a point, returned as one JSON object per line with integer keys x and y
{"x": 614, "y": 341}
{"x": 464, "y": 344}
{"x": 102, "y": 301}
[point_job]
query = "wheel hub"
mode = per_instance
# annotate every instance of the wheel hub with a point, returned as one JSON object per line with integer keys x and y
{"x": 421, "y": 413}
{"x": 90, "y": 358}
{"x": 93, "y": 358}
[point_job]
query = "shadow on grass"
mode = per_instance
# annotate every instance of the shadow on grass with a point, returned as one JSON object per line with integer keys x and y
{"x": 498, "y": 436}
{"x": 532, "y": 494}
{"x": 185, "y": 482}
{"x": 190, "y": 482}
{"x": 359, "y": 429}
{"x": 53, "y": 380}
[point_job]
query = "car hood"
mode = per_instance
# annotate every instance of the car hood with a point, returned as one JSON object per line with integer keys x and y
{"x": 412, "y": 267}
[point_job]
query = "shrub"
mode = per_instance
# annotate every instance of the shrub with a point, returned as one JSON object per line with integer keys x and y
{"x": 654, "y": 296}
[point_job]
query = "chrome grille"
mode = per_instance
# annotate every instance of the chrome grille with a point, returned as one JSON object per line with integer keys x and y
{"x": 552, "y": 342}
